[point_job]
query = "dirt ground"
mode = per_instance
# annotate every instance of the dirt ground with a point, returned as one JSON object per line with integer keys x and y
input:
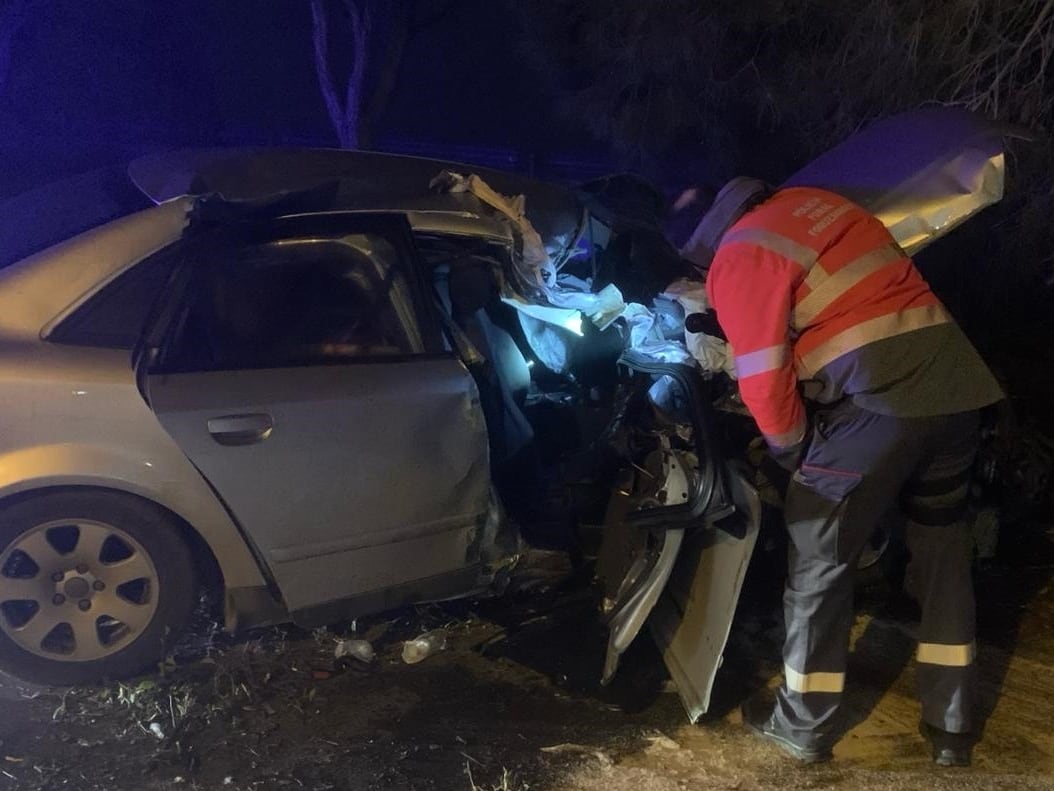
{"x": 513, "y": 704}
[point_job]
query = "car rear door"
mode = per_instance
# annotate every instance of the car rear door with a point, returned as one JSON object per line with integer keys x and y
{"x": 301, "y": 373}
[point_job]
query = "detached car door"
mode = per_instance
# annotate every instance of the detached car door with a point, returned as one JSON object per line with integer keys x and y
{"x": 300, "y": 371}
{"x": 679, "y": 532}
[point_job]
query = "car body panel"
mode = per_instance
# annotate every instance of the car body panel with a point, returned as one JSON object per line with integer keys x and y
{"x": 692, "y": 620}
{"x": 348, "y": 475}
{"x": 922, "y": 173}
{"x": 650, "y": 561}
{"x": 361, "y": 180}
{"x": 624, "y": 628}
{"x": 679, "y": 530}
{"x": 37, "y": 292}
{"x": 686, "y": 588}
{"x": 74, "y": 417}
{"x": 370, "y": 474}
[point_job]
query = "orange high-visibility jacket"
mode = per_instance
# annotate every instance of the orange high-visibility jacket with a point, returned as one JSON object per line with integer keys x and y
{"x": 810, "y": 288}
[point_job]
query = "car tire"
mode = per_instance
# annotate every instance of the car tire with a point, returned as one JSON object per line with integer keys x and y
{"x": 112, "y": 575}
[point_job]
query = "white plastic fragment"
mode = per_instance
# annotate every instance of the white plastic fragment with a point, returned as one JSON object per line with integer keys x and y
{"x": 354, "y": 649}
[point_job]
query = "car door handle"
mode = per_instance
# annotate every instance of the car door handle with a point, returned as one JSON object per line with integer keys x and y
{"x": 241, "y": 429}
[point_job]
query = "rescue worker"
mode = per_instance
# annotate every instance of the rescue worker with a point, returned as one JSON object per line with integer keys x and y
{"x": 818, "y": 302}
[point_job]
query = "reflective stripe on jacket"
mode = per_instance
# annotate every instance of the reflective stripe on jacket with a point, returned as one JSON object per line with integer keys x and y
{"x": 804, "y": 285}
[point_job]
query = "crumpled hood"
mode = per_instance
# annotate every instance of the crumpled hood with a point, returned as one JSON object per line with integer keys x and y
{"x": 922, "y": 173}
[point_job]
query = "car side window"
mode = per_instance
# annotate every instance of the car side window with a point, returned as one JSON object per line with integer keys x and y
{"x": 297, "y": 302}
{"x": 113, "y": 317}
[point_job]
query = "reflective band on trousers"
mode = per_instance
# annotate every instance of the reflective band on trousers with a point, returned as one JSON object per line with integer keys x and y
{"x": 826, "y": 289}
{"x": 888, "y": 326}
{"x": 761, "y": 361}
{"x": 774, "y": 243}
{"x": 947, "y": 654}
{"x": 813, "y": 682}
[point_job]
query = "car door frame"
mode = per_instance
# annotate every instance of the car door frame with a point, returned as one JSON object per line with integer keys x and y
{"x": 162, "y": 323}
{"x": 175, "y": 300}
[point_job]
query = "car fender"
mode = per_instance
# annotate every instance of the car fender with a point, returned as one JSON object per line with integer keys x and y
{"x": 36, "y": 468}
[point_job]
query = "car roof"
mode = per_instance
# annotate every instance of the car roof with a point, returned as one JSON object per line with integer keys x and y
{"x": 38, "y": 289}
{"x": 359, "y": 181}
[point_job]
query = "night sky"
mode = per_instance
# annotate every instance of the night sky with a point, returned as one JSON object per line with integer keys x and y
{"x": 93, "y": 83}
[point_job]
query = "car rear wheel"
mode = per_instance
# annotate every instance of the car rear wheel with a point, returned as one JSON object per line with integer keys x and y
{"x": 93, "y": 585}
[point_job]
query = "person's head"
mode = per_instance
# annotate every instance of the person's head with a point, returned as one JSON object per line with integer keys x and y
{"x": 735, "y": 199}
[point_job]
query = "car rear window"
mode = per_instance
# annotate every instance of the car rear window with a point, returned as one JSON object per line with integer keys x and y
{"x": 113, "y": 317}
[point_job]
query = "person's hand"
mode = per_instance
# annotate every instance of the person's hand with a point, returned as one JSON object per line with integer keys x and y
{"x": 788, "y": 458}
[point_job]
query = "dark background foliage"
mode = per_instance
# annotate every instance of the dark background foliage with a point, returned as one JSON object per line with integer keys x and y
{"x": 684, "y": 92}
{"x": 690, "y": 91}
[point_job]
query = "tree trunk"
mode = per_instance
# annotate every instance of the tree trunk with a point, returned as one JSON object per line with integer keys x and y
{"x": 355, "y": 115}
{"x": 345, "y": 113}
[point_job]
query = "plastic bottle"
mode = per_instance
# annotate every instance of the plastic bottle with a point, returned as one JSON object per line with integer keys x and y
{"x": 424, "y": 646}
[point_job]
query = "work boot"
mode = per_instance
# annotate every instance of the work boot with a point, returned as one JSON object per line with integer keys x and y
{"x": 949, "y": 749}
{"x": 759, "y": 718}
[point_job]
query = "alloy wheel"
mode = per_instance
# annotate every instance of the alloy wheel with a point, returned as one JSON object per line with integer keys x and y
{"x": 76, "y": 590}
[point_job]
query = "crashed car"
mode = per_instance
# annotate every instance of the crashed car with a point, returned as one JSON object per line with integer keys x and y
{"x": 331, "y": 383}
{"x": 317, "y": 396}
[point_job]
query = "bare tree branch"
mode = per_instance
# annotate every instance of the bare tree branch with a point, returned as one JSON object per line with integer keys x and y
{"x": 320, "y": 38}
{"x": 345, "y": 116}
{"x": 354, "y": 98}
{"x": 355, "y": 115}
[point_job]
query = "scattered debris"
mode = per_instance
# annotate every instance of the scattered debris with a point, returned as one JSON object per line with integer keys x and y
{"x": 580, "y": 749}
{"x": 506, "y": 783}
{"x": 361, "y": 650}
{"x": 424, "y": 646}
{"x": 661, "y": 740}
{"x": 568, "y": 747}
{"x": 243, "y": 712}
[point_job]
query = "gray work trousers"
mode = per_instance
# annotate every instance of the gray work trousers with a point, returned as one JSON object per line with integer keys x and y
{"x": 858, "y": 466}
